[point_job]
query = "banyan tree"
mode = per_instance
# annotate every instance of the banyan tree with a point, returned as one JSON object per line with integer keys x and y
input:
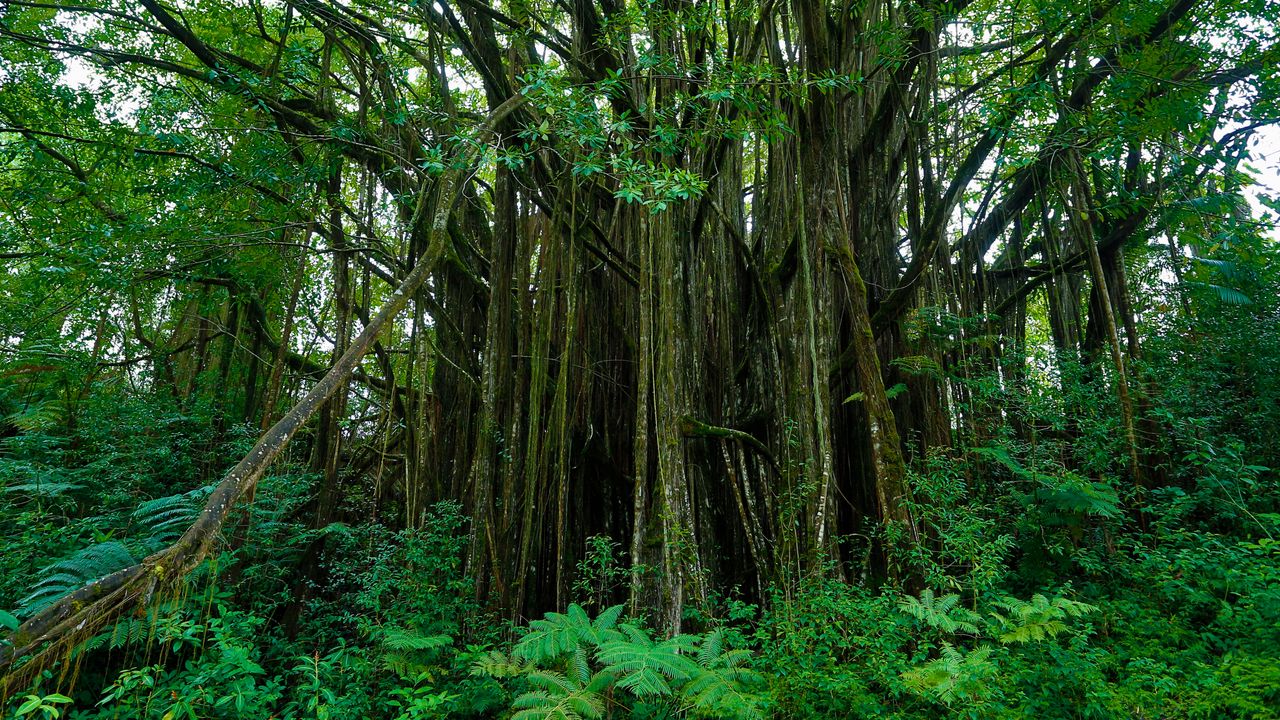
{"x": 697, "y": 276}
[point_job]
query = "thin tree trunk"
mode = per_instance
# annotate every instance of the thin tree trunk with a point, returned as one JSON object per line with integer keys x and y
{"x": 1080, "y": 209}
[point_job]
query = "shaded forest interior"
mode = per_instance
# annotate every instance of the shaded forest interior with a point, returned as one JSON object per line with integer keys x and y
{"x": 391, "y": 323}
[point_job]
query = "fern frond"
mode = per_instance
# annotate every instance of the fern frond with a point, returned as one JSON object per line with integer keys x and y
{"x": 75, "y": 571}
{"x": 497, "y": 664}
{"x": 647, "y": 669}
{"x": 559, "y": 697}
{"x": 607, "y": 620}
{"x": 1027, "y": 621}
{"x": 556, "y": 635}
{"x": 407, "y": 640}
{"x": 711, "y": 648}
{"x": 166, "y": 517}
{"x": 635, "y": 633}
{"x": 953, "y": 676}
{"x": 720, "y": 686}
{"x": 43, "y": 489}
{"x": 943, "y": 613}
{"x": 128, "y": 632}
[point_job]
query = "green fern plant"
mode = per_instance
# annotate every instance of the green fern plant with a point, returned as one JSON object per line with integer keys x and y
{"x": 408, "y": 652}
{"x": 576, "y": 695}
{"x": 500, "y": 665}
{"x": 163, "y": 519}
{"x": 46, "y": 489}
{"x": 1070, "y": 496}
{"x": 577, "y": 666}
{"x": 129, "y": 631}
{"x": 70, "y": 573}
{"x": 954, "y": 676}
{"x": 722, "y": 685}
{"x": 1027, "y": 621}
{"x": 646, "y": 668}
{"x": 155, "y": 523}
{"x": 559, "y": 634}
{"x": 943, "y": 613}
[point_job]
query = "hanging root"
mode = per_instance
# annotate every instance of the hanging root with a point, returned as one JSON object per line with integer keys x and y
{"x": 58, "y": 629}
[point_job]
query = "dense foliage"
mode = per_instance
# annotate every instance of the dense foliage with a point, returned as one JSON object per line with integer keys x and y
{"x": 577, "y": 359}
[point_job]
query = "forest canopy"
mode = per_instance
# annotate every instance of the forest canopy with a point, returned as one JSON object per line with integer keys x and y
{"x": 639, "y": 358}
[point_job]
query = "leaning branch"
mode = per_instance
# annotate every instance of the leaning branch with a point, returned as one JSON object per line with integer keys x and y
{"x": 58, "y": 628}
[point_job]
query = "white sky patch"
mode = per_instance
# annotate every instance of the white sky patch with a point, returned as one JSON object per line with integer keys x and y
{"x": 1264, "y": 156}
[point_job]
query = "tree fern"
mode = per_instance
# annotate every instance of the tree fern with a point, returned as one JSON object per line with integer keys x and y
{"x": 408, "y": 652}
{"x": 156, "y": 523}
{"x": 50, "y": 489}
{"x": 411, "y": 640}
{"x": 1228, "y": 295}
{"x": 559, "y": 634}
{"x": 497, "y": 664}
{"x": 571, "y": 660}
{"x": 164, "y": 518}
{"x": 1072, "y": 495}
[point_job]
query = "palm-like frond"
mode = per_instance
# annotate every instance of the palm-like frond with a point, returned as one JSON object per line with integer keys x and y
{"x": 408, "y": 639}
{"x": 955, "y": 675}
{"x": 164, "y": 518}
{"x": 497, "y": 664}
{"x": 721, "y": 687}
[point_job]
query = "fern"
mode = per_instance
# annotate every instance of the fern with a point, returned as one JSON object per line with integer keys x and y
{"x": 497, "y": 664}
{"x": 402, "y": 639}
{"x": 37, "y": 417}
{"x": 574, "y": 663}
{"x": 559, "y": 634}
{"x": 721, "y": 686}
{"x": 157, "y": 523}
{"x": 85, "y": 566}
{"x": 562, "y": 697}
{"x": 165, "y": 518}
{"x": 942, "y": 613}
{"x": 43, "y": 489}
{"x": 1037, "y": 619}
{"x": 647, "y": 668}
{"x": 1074, "y": 495}
{"x": 955, "y": 675}
{"x": 129, "y": 631}
{"x": 407, "y": 652}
